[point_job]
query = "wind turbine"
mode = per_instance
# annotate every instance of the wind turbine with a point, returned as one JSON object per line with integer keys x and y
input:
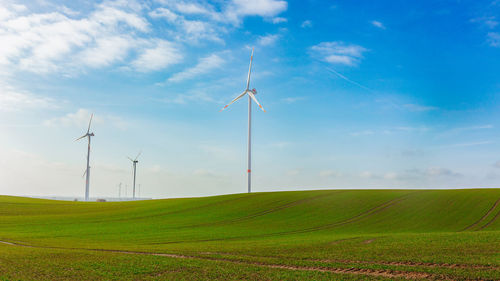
{"x": 87, "y": 171}
{"x": 134, "y": 162}
{"x": 251, "y": 96}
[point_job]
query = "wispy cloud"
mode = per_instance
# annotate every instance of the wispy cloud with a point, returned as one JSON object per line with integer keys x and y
{"x": 117, "y": 34}
{"x": 306, "y": 24}
{"x": 268, "y": 40}
{"x": 12, "y": 99}
{"x": 205, "y": 65}
{"x": 394, "y": 103}
{"x": 468, "y": 144}
{"x": 362, "y": 133}
{"x": 230, "y": 12}
{"x": 494, "y": 39}
{"x": 419, "y": 108}
{"x": 339, "y": 53}
{"x": 421, "y": 174}
{"x": 158, "y": 56}
{"x": 329, "y": 173}
{"x": 278, "y": 20}
{"x": 488, "y": 21}
{"x": 378, "y": 24}
{"x": 264, "y": 8}
{"x": 292, "y": 99}
{"x": 194, "y": 96}
{"x": 460, "y": 130}
{"x": 113, "y": 32}
{"x": 81, "y": 118}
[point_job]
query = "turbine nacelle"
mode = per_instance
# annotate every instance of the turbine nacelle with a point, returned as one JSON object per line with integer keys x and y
{"x": 251, "y": 93}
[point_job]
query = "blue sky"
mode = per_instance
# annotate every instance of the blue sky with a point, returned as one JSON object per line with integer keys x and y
{"x": 359, "y": 94}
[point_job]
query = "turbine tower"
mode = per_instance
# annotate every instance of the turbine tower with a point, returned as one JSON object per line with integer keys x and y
{"x": 87, "y": 171}
{"x": 134, "y": 162}
{"x": 251, "y": 96}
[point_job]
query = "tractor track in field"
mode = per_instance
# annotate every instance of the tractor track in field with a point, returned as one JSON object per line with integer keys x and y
{"x": 484, "y": 217}
{"x": 358, "y": 217}
{"x": 389, "y": 263}
{"x": 387, "y": 273}
{"x": 490, "y": 222}
{"x": 160, "y": 214}
{"x": 263, "y": 212}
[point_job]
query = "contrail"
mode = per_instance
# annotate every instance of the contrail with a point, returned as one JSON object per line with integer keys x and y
{"x": 348, "y": 80}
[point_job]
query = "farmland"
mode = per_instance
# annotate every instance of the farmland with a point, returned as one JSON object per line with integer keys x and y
{"x": 324, "y": 234}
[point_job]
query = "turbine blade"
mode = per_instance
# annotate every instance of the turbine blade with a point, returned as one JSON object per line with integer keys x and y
{"x": 130, "y": 159}
{"x": 84, "y": 173}
{"x": 138, "y": 155}
{"x": 81, "y": 137}
{"x": 249, "y": 70}
{"x": 91, "y": 116}
{"x": 255, "y": 100}
{"x": 235, "y": 99}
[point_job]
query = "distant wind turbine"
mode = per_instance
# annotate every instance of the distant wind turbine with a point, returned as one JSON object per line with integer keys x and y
{"x": 134, "y": 162}
{"x": 251, "y": 96}
{"x": 87, "y": 171}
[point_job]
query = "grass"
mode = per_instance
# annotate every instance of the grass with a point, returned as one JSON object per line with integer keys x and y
{"x": 328, "y": 234}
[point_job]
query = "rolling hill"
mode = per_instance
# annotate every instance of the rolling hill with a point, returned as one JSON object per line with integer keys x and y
{"x": 324, "y": 234}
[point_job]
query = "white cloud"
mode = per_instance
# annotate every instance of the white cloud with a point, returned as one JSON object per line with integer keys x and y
{"x": 368, "y": 175}
{"x": 81, "y": 118}
{"x": 278, "y": 20}
{"x": 268, "y": 40}
{"x": 414, "y": 175}
{"x": 12, "y": 99}
{"x": 419, "y": 108}
{"x": 106, "y": 51}
{"x": 191, "y": 8}
{"x": 205, "y": 65}
{"x": 159, "y": 56}
{"x": 205, "y": 173}
{"x": 460, "y": 130}
{"x": 292, "y": 99}
{"x": 339, "y": 53}
{"x": 363, "y": 133}
{"x": 197, "y": 21}
{"x": 113, "y": 32}
{"x": 378, "y": 24}
{"x": 494, "y": 39}
{"x": 329, "y": 173}
{"x": 293, "y": 172}
{"x": 263, "y": 8}
{"x": 190, "y": 31}
{"x": 306, "y": 24}
{"x": 467, "y": 144}
{"x": 164, "y": 13}
{"x": 195, "y": 96}
{"x": 488, "y": 21}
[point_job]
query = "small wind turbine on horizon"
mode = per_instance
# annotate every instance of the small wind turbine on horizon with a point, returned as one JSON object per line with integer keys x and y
{"x": 87, "y": 171}
{"x": 251, "y": 96}
{"x": 134, "y": 162}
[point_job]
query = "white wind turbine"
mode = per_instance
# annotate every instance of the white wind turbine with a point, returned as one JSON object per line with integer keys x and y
{"x": 251, "y": 96}
{"x": 134, "y": 162}
{"x": 87, "y": 171}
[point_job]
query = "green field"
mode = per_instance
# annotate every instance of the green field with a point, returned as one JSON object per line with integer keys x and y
{"x": 317, "y": 235}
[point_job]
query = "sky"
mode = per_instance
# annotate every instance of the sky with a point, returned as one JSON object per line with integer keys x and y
{"x": 359, "y": 94}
